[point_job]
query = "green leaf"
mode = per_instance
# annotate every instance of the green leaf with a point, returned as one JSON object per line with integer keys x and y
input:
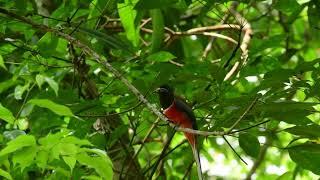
{"x": 40, "y": 79}
{"x": 7, "y": 84}
{"x": 100, "y": 164}
{"x": 91, "y": 177}
{"x": 13, "y": 134}
{"x": 6, "y": 115}
{"x": 285, "y": 176}
{"x": 2, "y": 63}
{"x": 5, "y": 174}
{"x": 56, "y": 108}
{"x": 147, "y": 4}
{"x": 25, "y": 157}
{"x": 19, "y": 90}
{"x": 249, "y": 144}
{"x": 312, "y": 131}
{"x": 307, "y": 156}
{"x": 157, "y": 29}
{"x": 297, "y": 117}
{"x": 54, "y": 85}
{"x": 51, "y": 139}
{"x": 48, "y": 44}
{"x": 75, "y": 140}
{"x": 313, "y": 14}
{"x": 18, "y": 143}
{"x": 127, "y": 16}
{"x": 42, "y": 158}
{"x": 287, "y": 6}
{"x": 161, "y": 56}
{"x": 70, "y": 160}
{"x": 67, "y": 149}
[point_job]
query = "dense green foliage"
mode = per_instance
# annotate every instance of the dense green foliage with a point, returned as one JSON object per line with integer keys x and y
{"x": 65, "y": 114}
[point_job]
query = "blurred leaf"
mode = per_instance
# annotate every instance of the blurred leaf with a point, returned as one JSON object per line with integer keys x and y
{"x": 161, "y": 56}
{"x": 10, "y": 135}
{"x": 146, "y": 4}
{"x": 313, "y": 13}
{"x": 19, "y": 90}
{"x": 111, "y": 41}
{"x": 297, "y": 117}
{"x": 54, "y": 85}
{"x": 18, "y": 143}
{"x": 5, "y": 174}
{"x": 307, "y": 156}
{"x": 157, "y": 29}
{"x": 249, "y": 144}
{"x": 75, "y": 140}
{"x": 2, "y": 63}
{"x": 311, "y": 131}
{"x": 7, "y": 84}
{"x": 282, "y": 5}
{"x": 42, "y": 158}
{"x": 70, "y": 160}
{"x": 25, "y": 157}
{"x": 127, "y": 16}
{"x": 40, "y": 79}
{"x": 56, "y": 108}
{"x": 47, "y": 44}
{"x": 6, "y": 115}
{"x": 285, "y": 176}
{"x": 102, "y": 167}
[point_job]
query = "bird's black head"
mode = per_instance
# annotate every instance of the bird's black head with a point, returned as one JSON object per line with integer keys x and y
{"x": 166, "y": 95}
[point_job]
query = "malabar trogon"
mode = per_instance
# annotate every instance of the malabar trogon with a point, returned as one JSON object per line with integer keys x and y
{"x": 177, "y": 111}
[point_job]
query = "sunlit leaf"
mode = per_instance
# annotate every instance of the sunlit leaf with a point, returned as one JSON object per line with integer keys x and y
{"x": 6, "y": 115}
{"x": 127, "y": 16}
{"x": 2, "y": 63}
{"x": 18, "y": 143}
{"x": 5, "y": 174}
{"x": 56, "y": 108}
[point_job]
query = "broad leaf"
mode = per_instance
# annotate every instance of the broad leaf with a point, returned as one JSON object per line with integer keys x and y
{"x": 307, "y": 156}
{"x": 127, "y": 16}
{"x": 18, "y": 143}
{"x": 5, "y": 174}
{"x": 56, "y": 108}
{"x": 147, "y": 4}
{"x": 2, "y": 63}
{"x": 102, "y": 167}
{"x": 312, "y": 131}
{"x": 249, "y": 144}
{"x": 161, "y": 56}
{"x": 6, "y": 115}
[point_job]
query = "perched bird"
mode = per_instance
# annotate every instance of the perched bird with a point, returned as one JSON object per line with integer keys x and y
{"x": 177, "y": 111}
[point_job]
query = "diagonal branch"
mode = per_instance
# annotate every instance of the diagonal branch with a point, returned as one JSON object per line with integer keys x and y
{"x": 99, "y": 59}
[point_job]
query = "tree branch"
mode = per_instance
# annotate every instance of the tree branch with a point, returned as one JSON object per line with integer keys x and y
{"x": 99, "y": 59}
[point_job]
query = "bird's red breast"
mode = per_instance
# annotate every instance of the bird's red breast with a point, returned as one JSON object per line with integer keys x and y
{"x": 181, "y": 119}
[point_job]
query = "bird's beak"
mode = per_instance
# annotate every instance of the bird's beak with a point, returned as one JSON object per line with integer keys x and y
{"x": 156, "y": 90}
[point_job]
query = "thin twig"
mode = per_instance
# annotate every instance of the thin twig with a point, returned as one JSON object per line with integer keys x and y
{"x": 25, "y": 100}
{"x": 243, "y": 114}
{"x": 260, "y": 158}
{"x": 234, "y": 150}
{"x": 162, "y": 155}
{"x": 244, "y": 44}
{"x": 99, "y": 59}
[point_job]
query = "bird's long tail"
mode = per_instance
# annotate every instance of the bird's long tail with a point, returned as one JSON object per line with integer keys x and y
{"x": 197, "y": 159}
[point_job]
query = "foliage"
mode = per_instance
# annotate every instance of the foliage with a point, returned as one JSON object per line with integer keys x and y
{"x": 66, "y": 115}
